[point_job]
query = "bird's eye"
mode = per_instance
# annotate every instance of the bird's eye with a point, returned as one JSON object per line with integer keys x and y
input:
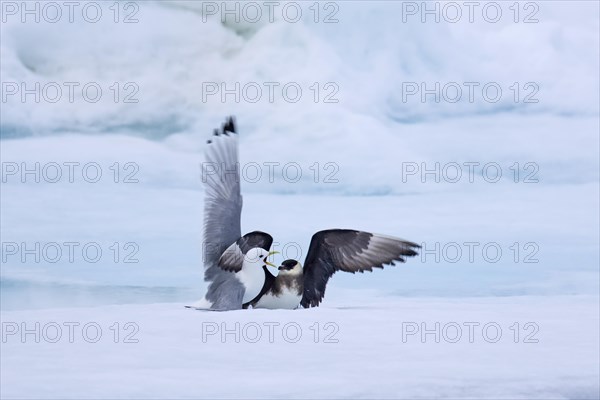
{"x": 261, "y": 256}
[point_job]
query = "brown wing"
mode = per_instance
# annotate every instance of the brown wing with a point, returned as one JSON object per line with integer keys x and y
{"x": 349, "y": 251}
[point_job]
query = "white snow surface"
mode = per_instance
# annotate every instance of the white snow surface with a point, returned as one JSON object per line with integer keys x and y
{"x": 359, "y": 351}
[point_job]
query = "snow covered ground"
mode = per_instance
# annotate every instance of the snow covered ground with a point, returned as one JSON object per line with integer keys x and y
{"x": 356, "y": 346}
{"x": 101, "y": 203}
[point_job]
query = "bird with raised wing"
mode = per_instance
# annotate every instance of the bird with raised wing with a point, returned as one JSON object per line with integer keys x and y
{"x": 236, "y": 266}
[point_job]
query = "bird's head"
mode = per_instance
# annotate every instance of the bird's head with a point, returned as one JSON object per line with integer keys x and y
{"x": 290, "y": 267}
{"x": 259, "y": 257}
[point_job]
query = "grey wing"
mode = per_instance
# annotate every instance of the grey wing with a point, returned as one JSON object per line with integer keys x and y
{"x": 223, "y": 200}
{"x": 222, "y": 212}
{"x": 349, "y": 251}
{"x": 233, "y": 257}
{"x": 225, "y": 293}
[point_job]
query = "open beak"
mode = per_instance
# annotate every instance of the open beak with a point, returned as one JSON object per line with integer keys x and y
{"x": 270, "y": 254}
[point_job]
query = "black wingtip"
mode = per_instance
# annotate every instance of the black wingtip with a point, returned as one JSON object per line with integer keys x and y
{"x": 229, "y": 125}
{"x": 226, "y": 128}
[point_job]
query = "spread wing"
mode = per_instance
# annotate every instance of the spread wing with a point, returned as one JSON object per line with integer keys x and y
{"x": 233, "y": 258}
{"x": 223, "y": 201}
{"x": 222, "y": 214}
{"x": 349, "y": 251}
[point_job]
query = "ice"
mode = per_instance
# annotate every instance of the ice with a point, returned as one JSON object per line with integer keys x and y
{"x": 369, "y": 53}
{"x": 161, "y": 215}
{"x": 357, "y": 158}
{"x": 355, "y": 346}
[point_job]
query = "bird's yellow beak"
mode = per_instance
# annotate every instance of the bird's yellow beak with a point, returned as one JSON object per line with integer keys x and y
{"x": 270, "y": 254}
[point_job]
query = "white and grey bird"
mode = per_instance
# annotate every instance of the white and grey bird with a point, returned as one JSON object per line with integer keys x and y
{"x": 236, "y": 266}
